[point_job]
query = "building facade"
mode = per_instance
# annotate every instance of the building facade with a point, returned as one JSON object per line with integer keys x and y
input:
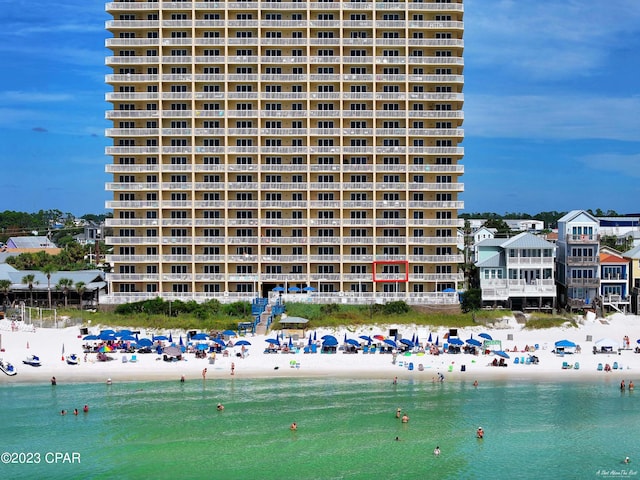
{"x": 517, "y": 273}
{"x": 306, "y": 145}
{"x": 578, "y": 259}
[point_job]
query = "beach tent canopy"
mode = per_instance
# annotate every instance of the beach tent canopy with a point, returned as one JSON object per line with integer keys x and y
{"x": 606, "y": 342}
{"x": 294, "y": 322}
{"x": 565, "y": 344}
{"x": 456, "y": 341}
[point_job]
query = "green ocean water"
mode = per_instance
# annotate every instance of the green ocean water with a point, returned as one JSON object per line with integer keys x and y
{"x": 346, "y": 430}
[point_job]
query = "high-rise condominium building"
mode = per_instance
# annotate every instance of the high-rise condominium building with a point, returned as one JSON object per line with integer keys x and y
{"x": 301, "y": 145}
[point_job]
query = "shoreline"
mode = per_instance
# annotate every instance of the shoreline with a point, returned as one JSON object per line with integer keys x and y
{"x": 52, "y": 345}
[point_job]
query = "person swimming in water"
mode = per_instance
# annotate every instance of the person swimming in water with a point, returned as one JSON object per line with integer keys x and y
{"x": 480, "y": 433}
{"x": 294, "y": 426}
{"x": 436, "y": 451}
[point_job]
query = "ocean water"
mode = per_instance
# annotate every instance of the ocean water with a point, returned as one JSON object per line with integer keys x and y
{"x": 346, "y": 430}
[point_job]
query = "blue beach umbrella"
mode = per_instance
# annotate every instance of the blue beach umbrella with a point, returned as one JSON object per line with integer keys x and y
{"x": 144, "y": 342}
{"x": 474, "y": 342}
{"x": 219, "y": 342}
{"x": 278, "y": 289}
{"x": 437, "y": 340}
{"x": 242, "y": 342}
{"x": 202, "y": 346}
{"x": 290, "y": 342}
{"x": 315, "y": 338}
{"x": 229, "y": 333}
{"x": 294, "y": 289}
{"x": 170, "y": 337}
{"x": 91, "y": 337}
{"x": 181, "y": 343}
{"x": 309, "y": 289}
{"x": 456, "y": 341}
{"x": 310, "y": 339}
{"x": 107, "y": 336}
{"x": 407, "y": 342}
{"x": 128, "y": 338}
{"x": 200, "y": 336}
{"x": 162, "y": 338}
{"x": 501, "y": 353}
{"x": 429, "y": 338}
{"x": 353, "y": 342}
{"x": 273, "y": 341}
{"x": 329, "y": 341}
{"x": 330, "y": 337}
{"x": 486, "y": 336}
{"x": 366, "y": 338}
{"x": 108, "y": 332}
{"x": 390, "y": 342}
{"x": 123, "y": 333}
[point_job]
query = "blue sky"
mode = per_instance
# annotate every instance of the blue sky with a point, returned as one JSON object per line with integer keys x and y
{"x": 552, "y": 107}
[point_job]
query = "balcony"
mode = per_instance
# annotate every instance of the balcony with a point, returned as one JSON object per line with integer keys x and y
{"x": 575, "y": 261}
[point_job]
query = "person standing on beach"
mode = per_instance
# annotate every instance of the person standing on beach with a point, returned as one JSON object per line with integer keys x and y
{"x": 233, "y": 368}
{"x": 204, "y": 374}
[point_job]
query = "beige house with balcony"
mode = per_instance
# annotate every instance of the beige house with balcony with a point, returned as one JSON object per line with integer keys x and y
{"x": 265, "y": 144}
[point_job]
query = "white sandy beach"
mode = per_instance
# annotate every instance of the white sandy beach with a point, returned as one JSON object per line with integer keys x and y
{"x": 47, "y": 344}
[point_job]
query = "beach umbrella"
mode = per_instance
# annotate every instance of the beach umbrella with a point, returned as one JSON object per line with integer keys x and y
{"x": 162, "y": 338}
{"x": 109, "y": 337}
{"x": 474, "y": 342}
{"x": 202, "y": 346}
{"x": 290, "y": 341}
{"x": 229, "y": 333}
{"x": 330, "y": 337}
{"x": 310, "y": 339}
{"x": 200, "y": 336}
{"x": 219, "y": 341}
{"x": 486, "y": 336}
{"x": 273, "y": 341}
{"x": 170, "y": 337}
{"x": 309, "y": 289}
{"x": 329, "y": 341}
{"x": 123, "y": 333}
{"x": 565, "y": 344}
{"x": 242, "y": 342}
{"x": 108, "y": 332}
{"x": 91, "y": 337}
{"x": 501, "y": 353}
{"x": 105, "y": 349}
{"x": 345, "y": 338}
{"x": 429, "y": 340}
{"x": 278, "y": 289}
{"x": 144, "y": 342}
{"x": 294, "y": 289}
{"x": 181, "y": 341}
{"x": 407, "y": 342}
{"x": 366, "y": 338}
{"x": 128, "y": 338}
{"x": 136, "y": 337}
{"x": 353, "y": 342}
{"x": 456, "y": 341}
{"x": 417, "y": 340}
{"x": 437, "y": 340}
{"x": 379, "y": 337}
{"x": 390, "y": 342}
{"x": 315, "y": 338}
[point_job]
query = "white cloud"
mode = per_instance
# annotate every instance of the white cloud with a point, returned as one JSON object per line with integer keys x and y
{"x": 21, "y": 97}
{"x": 613, "y": 163}
{"x": 558, "y": 117}
{"x": 543, "y": 38}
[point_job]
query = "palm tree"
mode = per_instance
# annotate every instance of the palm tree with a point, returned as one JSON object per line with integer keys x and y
{"x": 48, "y": 269}
{"x": 64, "y": 284}
{"x": 5, "y": 286}
{"x": 81, "y": 287}
{"x": 30, "y": 280}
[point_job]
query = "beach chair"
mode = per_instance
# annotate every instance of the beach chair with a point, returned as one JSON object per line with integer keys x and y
{"x": 615, "y": 365}
{"x": 420, "y": 367}
{"x": 372, "y": 350}
{"x": 522, "y": 360}
{"x": 576, "y": 366}
{"x": 528, "y": 361}
{"x": 565, "y": 365}
{"x": 365, "y": 349}
{"x": 516, "y": 360}
{"x": 134, "y": 358}
{"x": 599, "y": 367}
{"x": 410, "y": 365}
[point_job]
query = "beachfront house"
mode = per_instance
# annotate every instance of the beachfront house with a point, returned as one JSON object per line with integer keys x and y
{"x": 633, "y": 256}
{"x": 578, "y": 259}
{"x": 517, "y": 273}
{"x": 614, "y": 280}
